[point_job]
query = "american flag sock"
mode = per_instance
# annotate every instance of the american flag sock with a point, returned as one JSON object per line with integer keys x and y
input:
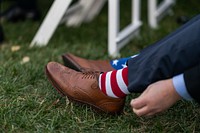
{"x": 114, "y": 83}
{"x": 121, "y": 62}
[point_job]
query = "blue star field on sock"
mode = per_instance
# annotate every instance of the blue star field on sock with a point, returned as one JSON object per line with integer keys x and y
{"x": 120, "y": 63}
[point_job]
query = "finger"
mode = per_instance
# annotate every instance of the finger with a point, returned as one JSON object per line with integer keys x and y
{"x": 151, "y": 113}
{"x": 138, "y": 103}
{"x": 141, "y": 112}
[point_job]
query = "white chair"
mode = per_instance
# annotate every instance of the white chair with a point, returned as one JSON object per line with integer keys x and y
{"x": 83, "y": 10}
{"x": 116, "y": 39}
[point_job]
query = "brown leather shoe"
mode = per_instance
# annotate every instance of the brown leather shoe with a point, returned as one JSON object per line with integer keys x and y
{"x": 82, "y": 87}
{"x": 80, "y": 64}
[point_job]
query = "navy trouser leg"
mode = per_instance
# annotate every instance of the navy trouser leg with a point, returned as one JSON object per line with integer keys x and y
{"x": 168, "y": 57}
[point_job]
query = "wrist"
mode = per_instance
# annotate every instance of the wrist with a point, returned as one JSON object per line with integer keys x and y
{"x": 173, "y": 91}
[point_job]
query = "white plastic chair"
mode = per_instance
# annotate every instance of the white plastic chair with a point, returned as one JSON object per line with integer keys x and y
{"x": 116, "y": 39}
{"x": 83, "y": 10}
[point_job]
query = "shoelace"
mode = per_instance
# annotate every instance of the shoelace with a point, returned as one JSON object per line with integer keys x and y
{"x": 90, "y": 74}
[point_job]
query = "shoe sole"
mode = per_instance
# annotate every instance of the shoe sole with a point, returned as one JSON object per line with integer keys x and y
{"x": 70, "y": 63}
{"x": 59, "y": 90}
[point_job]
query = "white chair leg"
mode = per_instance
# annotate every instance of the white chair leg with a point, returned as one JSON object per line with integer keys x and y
{"x": 74, "y": 9}
{"x": 113, "y": 27}
{"x": 132, "y": 30}
{"x": 82, "y": 11}
{"x": 78, "y": 17}
{"x": 94, "y": 10}
{"x": 152, "y": 13}
{"x": 50, "y": 22}
{"x": 117, "y": 39}
{"x": 164, "y": 8}
{"x": 157, "y": 12}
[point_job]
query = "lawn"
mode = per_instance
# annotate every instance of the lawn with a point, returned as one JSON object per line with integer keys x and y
{"x": 30, "y": 104}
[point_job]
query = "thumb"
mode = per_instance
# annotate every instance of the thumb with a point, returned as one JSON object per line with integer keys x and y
{"x": 138, "y": 103}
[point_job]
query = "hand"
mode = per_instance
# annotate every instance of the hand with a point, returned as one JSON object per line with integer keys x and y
{"x": 157, "y": 98}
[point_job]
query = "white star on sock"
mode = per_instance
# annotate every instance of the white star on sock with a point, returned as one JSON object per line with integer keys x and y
{"x": 115, "y": 62}
{"x": 124, "y": 65}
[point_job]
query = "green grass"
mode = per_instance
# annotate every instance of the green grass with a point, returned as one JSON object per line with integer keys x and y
{"x": 30, "y": 104}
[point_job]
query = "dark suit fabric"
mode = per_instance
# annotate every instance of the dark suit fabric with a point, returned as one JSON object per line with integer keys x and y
{"x": 192, "y": 82}
{"x": 174, "y": 54}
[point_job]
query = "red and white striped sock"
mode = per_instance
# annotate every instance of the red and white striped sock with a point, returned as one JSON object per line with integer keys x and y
{"x": 114, "y": 83}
